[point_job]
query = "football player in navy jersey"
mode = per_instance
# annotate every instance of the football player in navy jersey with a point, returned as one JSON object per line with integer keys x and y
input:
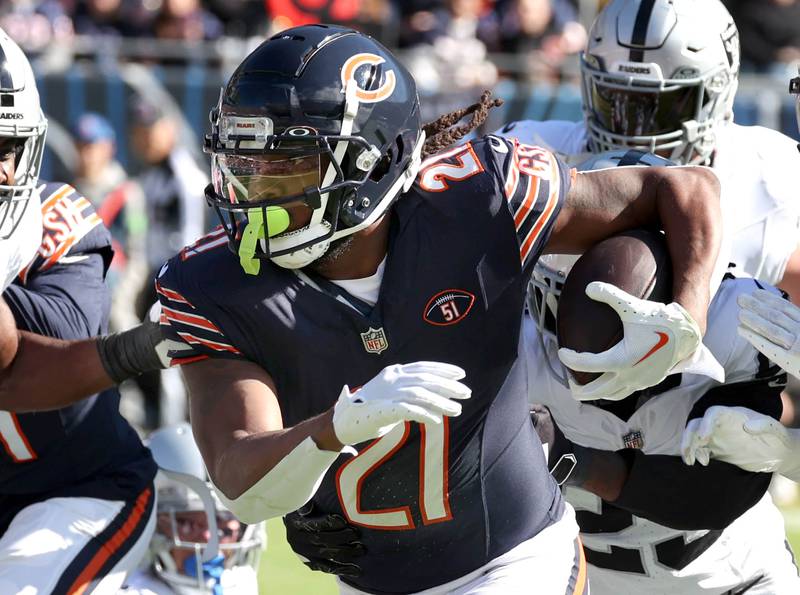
{"x": 76, "y": 484}
{"x": 354, "y": 323}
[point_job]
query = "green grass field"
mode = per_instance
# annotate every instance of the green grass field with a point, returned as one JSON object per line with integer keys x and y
{"x": 282, "y": 573}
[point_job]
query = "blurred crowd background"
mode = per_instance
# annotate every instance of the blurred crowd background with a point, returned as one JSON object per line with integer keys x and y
{"x": 127, "y": 86}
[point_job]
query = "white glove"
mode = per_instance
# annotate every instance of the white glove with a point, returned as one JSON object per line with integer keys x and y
{"x": 742, "y": 437}
{"x": 655, "y": 338}
{"x": 421, "y": 392}
{"x": 772, "y": 325}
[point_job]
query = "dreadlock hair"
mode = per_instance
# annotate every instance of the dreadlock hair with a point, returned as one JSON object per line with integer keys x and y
{"x": 441, "y": 134}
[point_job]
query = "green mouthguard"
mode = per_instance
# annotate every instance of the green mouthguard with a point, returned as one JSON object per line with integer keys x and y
{"x": 277, "y": 222}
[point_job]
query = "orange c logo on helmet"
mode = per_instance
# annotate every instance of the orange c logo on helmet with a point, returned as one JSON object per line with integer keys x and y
{"x": 349, "y": 71}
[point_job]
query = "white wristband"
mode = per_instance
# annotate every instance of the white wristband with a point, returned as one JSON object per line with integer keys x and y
{"x": 286, "y": 487}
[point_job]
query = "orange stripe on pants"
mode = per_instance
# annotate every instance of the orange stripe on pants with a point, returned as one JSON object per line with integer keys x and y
{"x": 580, "y": 582}
{"x": 112, "y": 545}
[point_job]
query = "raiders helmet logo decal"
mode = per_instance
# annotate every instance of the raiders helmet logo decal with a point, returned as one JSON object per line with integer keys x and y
{"x": 365, "y": 96}
{"x": 448, "y": 307}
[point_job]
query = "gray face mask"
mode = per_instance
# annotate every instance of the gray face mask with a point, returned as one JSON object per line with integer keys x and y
{"x": 794, "y": 89}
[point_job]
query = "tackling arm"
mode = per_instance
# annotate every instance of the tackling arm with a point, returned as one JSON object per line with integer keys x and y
{"x": 74, "y": 369}
{"x": 659, "y": 488}
{"x": 664, "y": 490}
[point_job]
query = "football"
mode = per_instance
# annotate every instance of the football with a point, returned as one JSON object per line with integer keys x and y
{"x": 448, "y": 307}
{"x": 637, "y": 262}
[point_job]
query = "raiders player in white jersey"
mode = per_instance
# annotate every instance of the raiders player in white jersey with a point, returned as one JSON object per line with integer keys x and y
{"x": 626, "y": 552}
{"x": 739, "y": 435}
{"x": 644, "y": 89}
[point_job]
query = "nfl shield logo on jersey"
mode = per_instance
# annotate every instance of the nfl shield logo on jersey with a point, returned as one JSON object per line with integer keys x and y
{"x": 374, "y": 340}
{"x": 633, "y": 439}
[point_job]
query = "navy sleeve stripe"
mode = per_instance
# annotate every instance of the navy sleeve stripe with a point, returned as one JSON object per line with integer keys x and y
{"x": 59, "y": 192}
{"x": 530, "y": 244}
{"x": 526, "y": 204}
{"x": 214, "y": 239}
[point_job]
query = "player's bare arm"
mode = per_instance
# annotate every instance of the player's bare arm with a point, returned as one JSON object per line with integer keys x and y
{"x": 265, "y": 470}
{"x": 642, "y": 484}
{"x": 684, "y": 201}
{"x": 90, "y": 365}
{"x": 238, "y": 426}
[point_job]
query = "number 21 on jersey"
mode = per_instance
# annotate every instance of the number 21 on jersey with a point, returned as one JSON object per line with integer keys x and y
{"x": 13, "y": 439}
{"x": 434, "y": 506}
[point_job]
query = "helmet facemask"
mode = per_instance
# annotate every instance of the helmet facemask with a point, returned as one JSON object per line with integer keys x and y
{"x": 316, "y": 90}
{"x": 233, "y": 567}
{"x": 675, "y": 118}
{"x": 544, "y": 289}
{"x": 198, "y": 545}
{"x": 14, "y": 198}
{"x": 794, "y": 89}
{"x": 21, "y": 121}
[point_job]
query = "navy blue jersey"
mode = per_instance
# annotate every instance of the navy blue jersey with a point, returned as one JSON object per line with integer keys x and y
{"x": 434, "y": 502}
{"x": 86, "y": 449}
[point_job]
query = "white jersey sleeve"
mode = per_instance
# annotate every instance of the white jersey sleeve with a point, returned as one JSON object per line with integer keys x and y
{"x": 760, "y": 203}
{"x": 565, "y": 139}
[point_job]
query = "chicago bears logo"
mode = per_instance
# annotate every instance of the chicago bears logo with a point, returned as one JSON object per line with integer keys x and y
{"x": 364, "y": 95}
{"x": 448, "y": 307}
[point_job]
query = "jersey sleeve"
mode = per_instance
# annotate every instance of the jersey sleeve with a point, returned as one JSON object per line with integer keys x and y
{"x": 62, "y": 291}
{"x": 535, "y": 184}
{"x": 188, "y": 318}
{"x": 71, "y": 229}
{"x": 67, "y": 301}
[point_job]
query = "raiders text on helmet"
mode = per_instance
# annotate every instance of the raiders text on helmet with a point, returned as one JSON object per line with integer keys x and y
{"x": 660, "y": 75}
{"x": 319, "y": 116}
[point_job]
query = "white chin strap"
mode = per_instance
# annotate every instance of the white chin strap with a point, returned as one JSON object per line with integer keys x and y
{"x": 305, "y": 256}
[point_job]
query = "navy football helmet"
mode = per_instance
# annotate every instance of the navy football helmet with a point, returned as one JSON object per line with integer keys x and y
{"x": 321, "y": 116}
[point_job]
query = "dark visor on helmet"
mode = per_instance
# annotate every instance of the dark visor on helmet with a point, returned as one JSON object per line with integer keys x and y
{"x": 644, "y": 113}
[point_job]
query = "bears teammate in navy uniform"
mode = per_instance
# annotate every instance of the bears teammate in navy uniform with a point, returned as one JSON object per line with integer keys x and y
{"x": 340, "y": 289}
{"x": 76, "y": 495}
{"x": 80, "y": 474}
